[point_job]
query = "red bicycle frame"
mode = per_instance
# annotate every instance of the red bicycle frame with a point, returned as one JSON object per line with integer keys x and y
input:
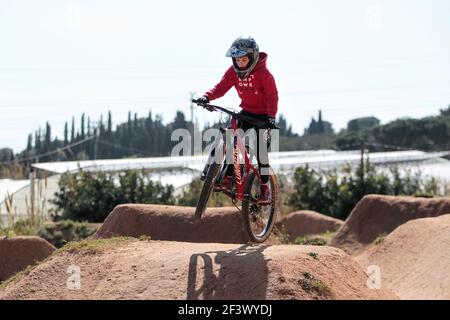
{"x": 240, "y": 177}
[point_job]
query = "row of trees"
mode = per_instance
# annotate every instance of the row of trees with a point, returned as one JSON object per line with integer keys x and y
{"x": 428, "y": 134}
{"x": 137, "y": 137}
{"x": 149, "y": 136}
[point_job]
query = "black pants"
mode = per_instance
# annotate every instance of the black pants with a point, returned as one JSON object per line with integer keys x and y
{"x": 262, "y": 157}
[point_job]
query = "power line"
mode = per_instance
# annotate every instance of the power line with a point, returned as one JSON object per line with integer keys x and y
{"x": 47, "y": 153}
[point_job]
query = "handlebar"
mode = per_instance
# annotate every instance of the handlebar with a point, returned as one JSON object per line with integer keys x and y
{"x": 240, "y": 116}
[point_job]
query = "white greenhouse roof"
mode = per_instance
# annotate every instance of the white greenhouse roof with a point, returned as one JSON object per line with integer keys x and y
{"x": 11, "y": 186}
{"x": 282, "y": 160}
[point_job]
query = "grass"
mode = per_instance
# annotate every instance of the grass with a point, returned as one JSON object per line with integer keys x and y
{"x": 380, "y": 239}
{"x": 94, "y": 246}
{"x": 282, "y": 235}
{"x": 145, "y": 238}
{"x": 315, "y": 239}
{"x": 312, "y": 285}
{"x": 20, "y": 228}
{"x": 314, "y": 255}
{"x": 308, "y": 240}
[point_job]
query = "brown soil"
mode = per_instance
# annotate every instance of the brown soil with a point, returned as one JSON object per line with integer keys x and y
{"x": 181, "y": 270}
{"x": 161, "y": 222}
{"x": 305, "y": 222}
{"x": 377, "y": 215}
{"x": 17, "y": 253}
{"x": 414, "y": 259}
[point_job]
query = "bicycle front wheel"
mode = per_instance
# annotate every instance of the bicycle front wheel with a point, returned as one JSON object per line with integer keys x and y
{"x": 208, "y": 185}
{"x": 259, "y": 220}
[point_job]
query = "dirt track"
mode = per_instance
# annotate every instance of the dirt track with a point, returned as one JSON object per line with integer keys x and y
{"x": 378, "y": 215}
{"x": 306, "y": 222}
{"x": 414, "y": 260}
{"x": 174, "y": 223}
{"x": 16, "y": 253}
{"x": 180, "y": 270}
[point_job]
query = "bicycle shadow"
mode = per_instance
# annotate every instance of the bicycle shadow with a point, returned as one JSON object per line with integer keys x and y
{"x": 242, "y": 274}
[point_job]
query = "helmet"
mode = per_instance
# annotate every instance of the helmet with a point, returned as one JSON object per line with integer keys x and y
{"x": 244, "y": 47}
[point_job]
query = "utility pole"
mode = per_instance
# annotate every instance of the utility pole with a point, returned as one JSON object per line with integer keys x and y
{"x": 192, "y": 105}
{"x": 362, "y": 160}
{"x": 363, "y": 146}
{"x": 194, "y": 134}
{"x": 96, "y": 131}
{"x": 32, "y": 177}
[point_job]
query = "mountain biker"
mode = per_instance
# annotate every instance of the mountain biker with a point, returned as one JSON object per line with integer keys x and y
{"x": 256, "y": 87}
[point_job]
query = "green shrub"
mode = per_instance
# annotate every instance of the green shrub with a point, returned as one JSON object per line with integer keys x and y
{"x": 91, "y": 196}
{"x": 20, "y": 228}
{"x": 62, "y": 232}
{"x": 336, "y": 193}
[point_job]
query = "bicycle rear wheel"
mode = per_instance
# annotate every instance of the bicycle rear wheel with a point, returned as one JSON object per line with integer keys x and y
{"x": 259, "y": 220}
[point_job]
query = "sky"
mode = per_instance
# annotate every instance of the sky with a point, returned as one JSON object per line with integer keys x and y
{"x": 348, "y": 58}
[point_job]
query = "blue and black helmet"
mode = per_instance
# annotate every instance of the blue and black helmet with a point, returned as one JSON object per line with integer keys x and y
{"x": 244, "y": 47}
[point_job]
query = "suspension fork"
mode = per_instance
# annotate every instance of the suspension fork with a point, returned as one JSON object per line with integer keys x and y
{"x": 218, "y": 146}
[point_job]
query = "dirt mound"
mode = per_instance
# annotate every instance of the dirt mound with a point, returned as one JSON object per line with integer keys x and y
{"x": 414, "y": 259}
{"x": 174, "y": 223}
{"x": 133, "y": 269}
{"x": 305, "y": 222}
{"x": 17, "y": 253}
{"x": 377, "y": 215}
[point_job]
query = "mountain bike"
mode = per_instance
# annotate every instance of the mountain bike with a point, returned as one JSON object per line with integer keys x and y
{"x": 245, "y": 184}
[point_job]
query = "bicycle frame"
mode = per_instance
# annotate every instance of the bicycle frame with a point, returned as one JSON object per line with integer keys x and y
{"x": 240, "y": 177}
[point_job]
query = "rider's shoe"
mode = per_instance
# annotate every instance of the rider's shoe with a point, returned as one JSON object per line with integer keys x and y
{"x": 225, "y": 185}
{"x": 265, "y": 196}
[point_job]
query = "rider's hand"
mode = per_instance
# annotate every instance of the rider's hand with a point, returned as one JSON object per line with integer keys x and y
{"x": 203, "y": 100}
{"x": 270, "y": 123}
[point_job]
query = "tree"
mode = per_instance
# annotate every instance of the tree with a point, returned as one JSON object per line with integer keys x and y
{"x": 66, "y": 134}
{"x": 30, "y": 142}
{"x": 129, "y": 130}
{"x": 48, "y": 136}
{"x": 445, "y": 112}
{"x": 180, "y": 121}
{"x": 37, "y": 141}
{"x": 72, "y": 133}
{"x": 109, "y": 125}
{"x": 83, "y": 135}
{"x": 362, "y": 123}
{"x": 89, "y": 126}
{"x": 320, "y": 126}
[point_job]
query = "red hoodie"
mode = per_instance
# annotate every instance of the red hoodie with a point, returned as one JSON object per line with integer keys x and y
{"x": 257, "y": 91}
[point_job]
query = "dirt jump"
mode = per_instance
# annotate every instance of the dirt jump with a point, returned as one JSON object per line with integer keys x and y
{"x": 126, "y": 268}
{"x": 17, "y": 253}
{"x": 305, "y": 222}
{"x": 414, "y": 259}
{"x": 162, "y": 252}
{"x": 174, "y": 223}
{"x": 377, "y": 215}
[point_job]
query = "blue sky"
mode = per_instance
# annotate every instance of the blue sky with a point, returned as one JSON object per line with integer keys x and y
{"x": 349, "y": 58}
